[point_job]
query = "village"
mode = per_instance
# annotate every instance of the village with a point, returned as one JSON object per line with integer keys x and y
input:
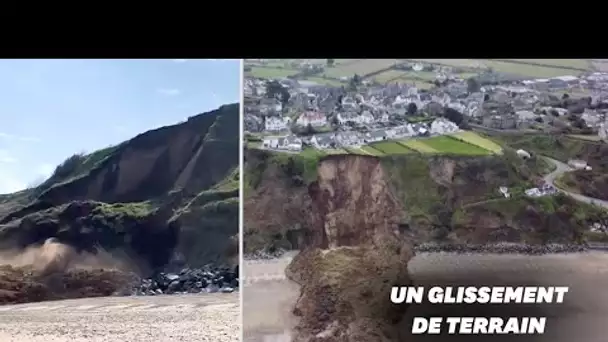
{"x": 290, "y": 115}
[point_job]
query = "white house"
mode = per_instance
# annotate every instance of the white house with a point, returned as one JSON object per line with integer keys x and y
{"x": 348, "y": 103}
{"x": 322, "y": 141}
{"x": 367, "y": 117}
{"x": 274, "y": 123}
{"x": 271, "y": 142}
{"x": 523, "y": 154}
{"x": 577, "y": 164}
{"x": 384, "y": 117}
{"x": 312, "y": 118}
{"x": 443, "y": 126}
{"x": 291, "y": 143}
{"x": 343, "y": 118}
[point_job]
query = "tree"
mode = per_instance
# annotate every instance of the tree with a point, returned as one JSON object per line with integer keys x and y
{"x": 473, "y": 85}
{"x": 309, "y": 130}
{"x": 579, "y": 123}
{"x": 453, "y": 115}
{"x": 330, "y": 62}
{"x": 412, "y": 108}
{"x": 273, "y": 89}
{"x": 486, "y": 97}
{"x": 565, "y": 96}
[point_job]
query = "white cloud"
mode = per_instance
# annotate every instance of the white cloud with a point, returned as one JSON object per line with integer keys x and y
{"x": 169, "y": 92}
{"x": 180, "y": 60}
{"x": 7, "y": 136}
{"x": 6, "y": 157}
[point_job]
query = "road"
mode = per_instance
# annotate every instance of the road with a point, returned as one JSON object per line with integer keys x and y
{"x": 267, "y": 303}
{"x": 560, "y": 169}
{"x": 195, "y": 317}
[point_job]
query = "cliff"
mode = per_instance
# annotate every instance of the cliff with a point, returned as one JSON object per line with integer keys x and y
{"x": 426, "y": 198}
{"x": 166, "y": 195}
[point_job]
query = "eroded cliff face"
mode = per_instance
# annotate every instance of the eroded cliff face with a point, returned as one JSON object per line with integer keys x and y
{"x": 179, "y": 181}
{"x": 354, "y": 255}
{"x": 423, "y": 198}
{"x": 352, "y": 202}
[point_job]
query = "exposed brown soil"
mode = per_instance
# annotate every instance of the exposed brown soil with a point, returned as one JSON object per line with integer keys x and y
{"x": 167, "y": 198}
{"x": 56, "y": 271}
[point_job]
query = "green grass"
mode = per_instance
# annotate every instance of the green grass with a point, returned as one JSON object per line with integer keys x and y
{"x": 446, "y": 144}
{"x": 262, "y": 72}
{"x": 230, "y": 182}
{"x": 391, "y": 147}
{"x": 389, "y": 75}
{"x": 360, "y": 68}
{"x": 477, "y": 140}
{"x": 527, "y": 69}
{"x": 135, "y": 209}
{"x": 372, "y": 151}
{"x": 585, "y": 137}
{"x": 335, "y": 151}
{"x": 418, "y": 146}
{"x": 572, "y": 63}
{"x": 325, "y": 81}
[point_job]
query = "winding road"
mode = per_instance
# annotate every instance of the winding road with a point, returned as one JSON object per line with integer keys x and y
{"x": 194, "y": 317}
{"x": 560, "y": 169}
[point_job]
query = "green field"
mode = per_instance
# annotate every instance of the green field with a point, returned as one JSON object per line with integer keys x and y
{"x": 335, "y": 151}
{"x": 372, "y": 151}
{"x": 362, "y": 67}
{"x": 572, "y": 63}
{"x": 321, "y": 80}
{"x": 418, "y": 146}
{"x": 391, "y": 147}
{"x": 446, "y": 144}
{"x": 462, "y": 143}
{"x": 474, "y": 139}
{"x": 528, "y": 69}
{"x": 387, "y": 76}
{"x": 263, "y": 72}
{"x": 555, "y": 67}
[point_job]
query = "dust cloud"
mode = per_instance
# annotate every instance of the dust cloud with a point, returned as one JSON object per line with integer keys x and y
{"x": 56, "y": 257}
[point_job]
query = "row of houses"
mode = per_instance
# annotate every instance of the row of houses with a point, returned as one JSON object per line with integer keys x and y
{"x": 354, "y": 139}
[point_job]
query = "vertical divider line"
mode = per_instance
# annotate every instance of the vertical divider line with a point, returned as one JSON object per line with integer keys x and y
{"x": 241, "y": 195}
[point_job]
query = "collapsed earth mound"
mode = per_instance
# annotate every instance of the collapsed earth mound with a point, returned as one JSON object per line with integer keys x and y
{"x": 350, "y": 261}
{"x": 344, "y": 292}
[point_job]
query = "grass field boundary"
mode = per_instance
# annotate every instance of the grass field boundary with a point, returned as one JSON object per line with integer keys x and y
{"x": 545, "y": 65}
{"x": 424, "y": 149}
{"x": 350, "y": 150}
{"x": 406, "y": 147}
{"x": 385, "y": 146}
{"x": 376, "y": 152}
{"x": 460, "y": 139}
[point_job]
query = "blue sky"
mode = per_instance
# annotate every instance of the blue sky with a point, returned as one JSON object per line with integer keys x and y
{"x": 51, "y": 109}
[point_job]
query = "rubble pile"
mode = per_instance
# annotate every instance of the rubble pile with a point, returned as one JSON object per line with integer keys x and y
{"x": 265, "y": 255}
{"x": 190, "y": 280}
{"x": 500, "y": 248}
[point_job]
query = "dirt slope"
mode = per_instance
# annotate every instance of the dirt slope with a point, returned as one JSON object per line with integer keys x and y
{"x": 166, "y": 198}
{"x": 426, "y": 198}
